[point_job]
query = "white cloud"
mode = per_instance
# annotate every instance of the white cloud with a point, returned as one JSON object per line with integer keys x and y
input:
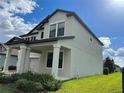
{"x": 109, "y": 52}
{"x": 10, "y": 23}
{"x": 106, "y": 41}
{"x": 18, "y": 6}
{"x": 112, "y": 53}
{"x": 119, "y": 61}
{"x": 117, "y": 55}
{"x": 120, "y": 52}
{"x": 11, "y": 35}
{"x": 117, "y": 3}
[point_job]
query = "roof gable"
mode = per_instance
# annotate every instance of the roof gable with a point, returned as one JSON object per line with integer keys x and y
{"x": 2, "y": 47}
{"x": 46, "y": 20}
{"x": 15, "y": 39}
{"x": 68, "y": 13}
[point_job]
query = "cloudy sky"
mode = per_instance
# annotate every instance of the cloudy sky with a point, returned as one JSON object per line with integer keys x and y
{"x": 104, "y": 17}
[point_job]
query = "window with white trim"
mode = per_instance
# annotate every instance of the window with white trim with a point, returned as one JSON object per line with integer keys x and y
{"x": 42, "y": 34}
{"x": 28, "y": 38}
{"x": 57, "y": 30}
{"x": 50, "y": 59}
{"x": 52, "y": 31}
{"x": 32, "y": 38}
{"x": 61, "y": 28}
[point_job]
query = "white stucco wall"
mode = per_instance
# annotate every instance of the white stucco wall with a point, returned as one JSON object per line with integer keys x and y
{"x": 64, "y": 71}
{"x": 85, "y": 55}
{"x": 38, "y": 62}
{"x": 57, "y": 18}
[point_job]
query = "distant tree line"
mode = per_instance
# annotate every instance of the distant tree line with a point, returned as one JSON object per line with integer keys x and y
{"x": 109, "y": 66}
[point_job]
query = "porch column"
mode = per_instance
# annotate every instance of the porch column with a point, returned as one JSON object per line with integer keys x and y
{"x": 27, "y": 60}
{"x": 21, "y": 59}
{"x": 7, "y": 59}
{"x": 55, "y": 63}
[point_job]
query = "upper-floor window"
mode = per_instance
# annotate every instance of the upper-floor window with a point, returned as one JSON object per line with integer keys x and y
{"x": 91, "y": 39}
{"x": 25, "y": 39}
{"x": 52, "y": 31}
{"x": 32, "y": 38}
{"x": 57, "y": 29}
{"x": 42, "y": 34}
{"x": 28, "y": 38}
{"x": 61, "y": 27}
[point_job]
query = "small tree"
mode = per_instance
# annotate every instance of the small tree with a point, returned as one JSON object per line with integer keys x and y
{"x": 109, "y": 64}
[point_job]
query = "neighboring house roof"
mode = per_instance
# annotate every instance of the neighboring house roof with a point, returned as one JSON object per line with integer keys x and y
{"x": 2, "y": 47}
{"x": 3, "y": 50}
{"x": 69, "y": 13}
{"x": 117, "y": 66}
{"x": 16, "y": 40}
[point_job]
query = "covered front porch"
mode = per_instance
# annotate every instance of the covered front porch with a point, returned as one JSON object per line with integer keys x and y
{"x": 50, "y": 58}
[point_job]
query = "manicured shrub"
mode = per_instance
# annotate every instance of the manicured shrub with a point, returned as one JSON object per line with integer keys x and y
{"x": 15, "y": 77}
{"x": 38, "y": 87}
{"x": 58, "y": 84}
{"x": 48, "y": 81}
{"x": 1, "y": 74}
{"x": 28, "y": 85}
{"x": 52, "y": 85}
{"x": 6, "y": 79}
{"x": 28, "y": 76}
{"x": 9, "y": 79}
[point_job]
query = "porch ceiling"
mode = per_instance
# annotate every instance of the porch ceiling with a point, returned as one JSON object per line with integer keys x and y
{"x": 17, "y": 40}
{"x": 39, "y": 49}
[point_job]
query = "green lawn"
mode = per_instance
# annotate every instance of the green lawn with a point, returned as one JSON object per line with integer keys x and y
{"x": 95, "y": 84}
{"x": 5, "y": 89}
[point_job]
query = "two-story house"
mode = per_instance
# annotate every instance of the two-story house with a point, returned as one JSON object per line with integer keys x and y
{"x": 64, "y": 45}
